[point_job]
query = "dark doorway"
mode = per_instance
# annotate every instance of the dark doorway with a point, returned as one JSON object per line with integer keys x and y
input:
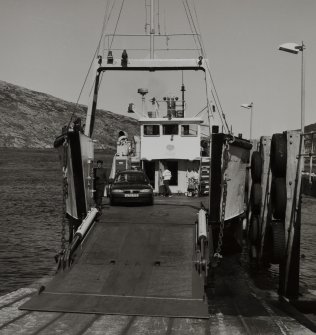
{"x": 173, "y": 167}
{"x": 149, "y": 168}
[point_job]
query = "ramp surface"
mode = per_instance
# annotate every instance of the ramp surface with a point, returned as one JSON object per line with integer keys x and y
{"x": 135, "y": 261}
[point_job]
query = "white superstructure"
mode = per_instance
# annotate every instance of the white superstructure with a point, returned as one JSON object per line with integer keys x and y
{"x": 176, "y": 138}
{"x": 173, "y": 142}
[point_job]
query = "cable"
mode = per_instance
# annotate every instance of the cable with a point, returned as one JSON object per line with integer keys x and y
{"x": 158, "y": 17}
{"x": 102, "y": 33}
{"x": 208, "y": 103}
{"x": 202, "y": 110}
{"x": 146, "y": 15}
{"x": 200, "y": 40}
{"x": 190, "y": 25}
{"x": 196, "y": 31}
{"x": 117, "y": 21}
{"x": 105, "y": 22}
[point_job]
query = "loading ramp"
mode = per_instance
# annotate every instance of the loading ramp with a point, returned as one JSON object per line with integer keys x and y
{"x": 134, "y": 261}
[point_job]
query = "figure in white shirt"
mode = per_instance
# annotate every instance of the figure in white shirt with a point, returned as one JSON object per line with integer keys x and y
{"x": 196, "y": 178}
{"x": 166, "y": 176}
{"x": 193, "y": 183}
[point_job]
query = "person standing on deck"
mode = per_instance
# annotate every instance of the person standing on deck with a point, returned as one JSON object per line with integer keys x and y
{"x": 196, "y": 178}
{"x": 190, "y": 186}
{"x": 166, "y": 180}
{"x": 100, "y": 180}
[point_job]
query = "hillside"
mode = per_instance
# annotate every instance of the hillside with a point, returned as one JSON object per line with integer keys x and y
{"x": 32, "y": 119}
{"x": 311, "y": 127}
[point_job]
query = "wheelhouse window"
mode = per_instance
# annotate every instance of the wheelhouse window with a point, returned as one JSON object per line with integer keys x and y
{"x": 189, "y": 129}
{"x": 151, "y": 130}
{"x": 170, "y": 129}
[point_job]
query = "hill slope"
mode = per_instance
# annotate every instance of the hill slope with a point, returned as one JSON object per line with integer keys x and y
{"x": 32, "y": 119}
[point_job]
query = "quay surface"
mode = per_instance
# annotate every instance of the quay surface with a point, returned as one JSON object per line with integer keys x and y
{"x": 235, "y": 304}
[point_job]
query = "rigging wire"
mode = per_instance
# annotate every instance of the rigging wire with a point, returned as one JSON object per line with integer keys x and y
{"x": 116, "y": 25}
{"x": 221, "y": 111}
{"x": 190, "y": 25}
{"x": 200, "y": 40}
{"x": 221, "y": 115}
{"x": 95, "y": 55}
{"x": 201, "y": 111}
{"x": 158, "y": 17}
{"x": 207, "y": 103}
{"x": 105, "y": 21}
{"x": 195, "y": 30}
{"x": 117, "y": 21}
{"x": 164, "y": 21}
{"x": 146, "y": 16}
{"x": 197, "y": 40}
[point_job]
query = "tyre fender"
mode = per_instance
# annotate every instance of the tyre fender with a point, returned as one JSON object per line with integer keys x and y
{"x": 256, "y": 167}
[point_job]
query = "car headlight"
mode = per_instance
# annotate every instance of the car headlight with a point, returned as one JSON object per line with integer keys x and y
{"x": 117, "y": 191}
{"x": 146, "y": 190}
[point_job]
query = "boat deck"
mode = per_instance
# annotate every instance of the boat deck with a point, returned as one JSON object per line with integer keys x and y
{"x": 134, "y": 261}
{"x": 155, "y": 268}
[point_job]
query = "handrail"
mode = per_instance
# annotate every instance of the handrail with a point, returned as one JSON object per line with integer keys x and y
{"x": 147, "y": 35}
{"x": 173, "y": 42}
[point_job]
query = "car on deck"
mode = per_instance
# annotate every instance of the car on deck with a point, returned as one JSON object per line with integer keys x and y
{"x": 131, "y": 186}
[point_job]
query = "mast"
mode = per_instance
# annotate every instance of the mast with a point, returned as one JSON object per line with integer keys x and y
{"x": 152, "y": 29}
{"x": 182, "y": 90}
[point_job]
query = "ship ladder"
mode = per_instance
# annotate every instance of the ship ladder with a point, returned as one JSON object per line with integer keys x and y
{"x": 205, "y": 176}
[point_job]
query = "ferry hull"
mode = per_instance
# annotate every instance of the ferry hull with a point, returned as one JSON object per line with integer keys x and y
{"x": 227, "y": 201}
{"x": 229, "y": 162}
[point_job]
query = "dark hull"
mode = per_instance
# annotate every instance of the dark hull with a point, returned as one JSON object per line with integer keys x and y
{"x": 230, "y": 164}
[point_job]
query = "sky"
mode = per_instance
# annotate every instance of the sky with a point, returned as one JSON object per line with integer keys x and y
{"x": 48, "y": 46}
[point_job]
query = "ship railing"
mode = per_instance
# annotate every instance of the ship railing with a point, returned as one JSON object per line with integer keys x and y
{"x": 138, "y": 45}
{"x": 309, "y": 155}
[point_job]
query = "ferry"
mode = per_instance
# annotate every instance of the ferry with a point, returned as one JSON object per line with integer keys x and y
{"x": 168, "y": 268}
{"x": 177, "y": 142}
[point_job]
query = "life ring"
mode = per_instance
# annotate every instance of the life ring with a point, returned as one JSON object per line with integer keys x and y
{"x": 278, "y": 155}
{"x": 278, "y": 198}
{"x": 278, "y": 242}
{"x": 256, "y": 167}
{"x": 255, "y": 198}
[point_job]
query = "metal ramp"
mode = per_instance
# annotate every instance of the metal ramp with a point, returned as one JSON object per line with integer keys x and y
{"x": 135, "y": 261}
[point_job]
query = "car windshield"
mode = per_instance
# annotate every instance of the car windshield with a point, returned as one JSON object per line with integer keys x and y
{"x": 131, "y": 178}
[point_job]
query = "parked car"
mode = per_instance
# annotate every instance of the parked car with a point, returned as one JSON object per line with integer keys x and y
{"x": 131, "y": 186}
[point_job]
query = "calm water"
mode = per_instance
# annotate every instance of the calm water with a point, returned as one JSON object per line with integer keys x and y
{"x": 30, "y": 219}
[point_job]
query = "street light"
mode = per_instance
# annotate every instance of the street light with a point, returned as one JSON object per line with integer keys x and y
{"x": 249, "y": 106}
{"x": 294, "y": 49}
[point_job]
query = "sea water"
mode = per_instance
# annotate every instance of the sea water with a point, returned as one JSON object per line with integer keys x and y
{"x": 31, "y": 217}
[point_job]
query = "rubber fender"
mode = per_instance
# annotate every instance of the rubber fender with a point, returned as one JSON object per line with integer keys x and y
{"x": 254, "y": 229}
{"x": 278, "y": 155}
{"x": 278, "y": 198}
{"x": 255, "y": 198}
{"x": 278, "y": 242}
{"x": 256, "y": 167}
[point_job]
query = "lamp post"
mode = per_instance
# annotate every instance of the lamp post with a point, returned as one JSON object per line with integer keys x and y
{"x": 249, "y": 106}
{"x": 289, "y": 285}
{"x": 294, "y": 49}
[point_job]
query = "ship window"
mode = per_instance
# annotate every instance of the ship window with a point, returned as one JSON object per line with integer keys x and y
{"x": 189, "y": 129}
{"x": 170, "y": 129}
{"x": 151, "y": 130}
